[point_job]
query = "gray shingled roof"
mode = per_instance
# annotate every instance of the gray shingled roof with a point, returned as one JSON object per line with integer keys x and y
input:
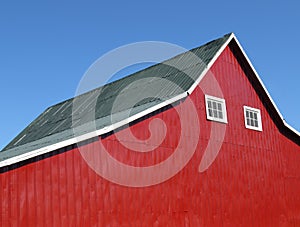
{"x": 164, "y": 82}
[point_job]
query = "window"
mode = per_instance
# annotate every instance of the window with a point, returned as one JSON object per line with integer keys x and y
{"x": 252, "y": 118}
{"x": 215, "y": 109}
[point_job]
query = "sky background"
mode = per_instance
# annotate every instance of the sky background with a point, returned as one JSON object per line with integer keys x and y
{"x": 47, "y": 46}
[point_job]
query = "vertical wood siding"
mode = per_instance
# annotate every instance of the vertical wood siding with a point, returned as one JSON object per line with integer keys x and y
{"x": 254, "y": 181}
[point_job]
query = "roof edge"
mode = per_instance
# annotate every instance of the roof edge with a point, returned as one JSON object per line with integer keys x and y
{"x": 112, "y": 127}
{"x": 219, "y": 52}
{"x": 289, "y": 127}
{"x": 90, "y": 135}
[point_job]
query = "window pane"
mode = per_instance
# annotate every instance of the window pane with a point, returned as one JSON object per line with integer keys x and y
{"x": 248, "y": 121}
{"x": 255, "y": 116}
{"x": 215, "y": 113}
{"x": 252, "y": 122}
{"x": 209, "y": 104}
{"x": 214, "y": 105}
{"x": 256, "y": 123}
{"x": 219, "y": 107}
{"x": 210, "y": 112}
{"x": 251, "y": 115}
{"x": 247, "y": 113}
{"x": 220, "y": 114}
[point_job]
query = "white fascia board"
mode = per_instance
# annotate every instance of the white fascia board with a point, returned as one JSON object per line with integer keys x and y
{"x": 37, "y": 152}
{"x": 258, "y": 77}
{"x": 90, "y": 135}
{"x": 264, "y": 87}
{"x": 291, "y": 128}
{"x": 197, "y": 82}
{"x": 139, "y": 115}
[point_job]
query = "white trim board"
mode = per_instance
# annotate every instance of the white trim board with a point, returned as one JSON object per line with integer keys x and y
{"x": 89, "y": 135}
{"x": 265, "y": 89}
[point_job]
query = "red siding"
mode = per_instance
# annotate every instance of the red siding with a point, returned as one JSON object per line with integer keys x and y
{"x": 254, "y": 180}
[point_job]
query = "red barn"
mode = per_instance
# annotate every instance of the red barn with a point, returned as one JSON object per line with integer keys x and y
{"x": 193, "y": 141}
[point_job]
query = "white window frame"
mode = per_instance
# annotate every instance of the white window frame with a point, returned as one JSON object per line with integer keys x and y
{"x": 224, "y": 112}
{"x": 259, "y": 128}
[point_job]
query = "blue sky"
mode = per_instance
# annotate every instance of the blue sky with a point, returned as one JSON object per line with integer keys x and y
{"x": 46, "y": 47}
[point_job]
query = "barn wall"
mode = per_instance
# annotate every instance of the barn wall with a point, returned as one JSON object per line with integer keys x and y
{"x": 252, "y": 182}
